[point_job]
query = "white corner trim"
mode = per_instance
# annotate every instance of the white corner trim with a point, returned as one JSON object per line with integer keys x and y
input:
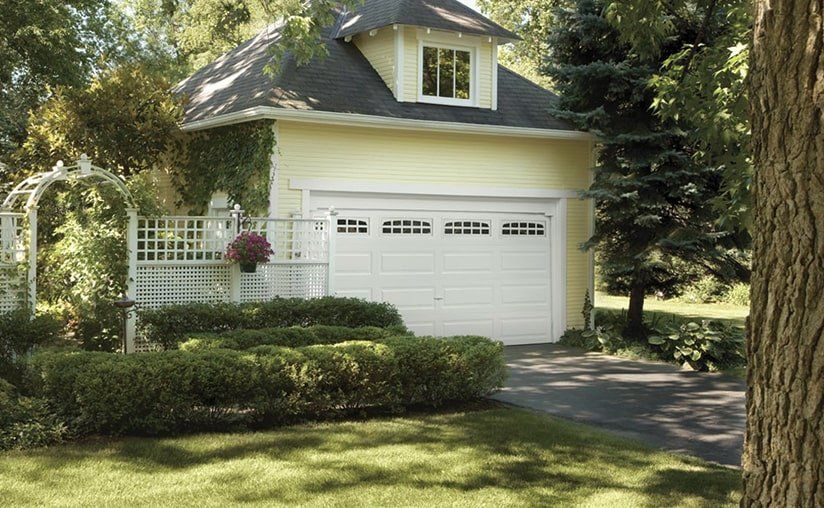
{"x": 349, "y": 119}
{"x": 495, "y": 75}
{"x": 372, "y": 186}
{"x": 399, "y": 64}
{"x": 274, "y": 172}
{"x": 559, "y": 269}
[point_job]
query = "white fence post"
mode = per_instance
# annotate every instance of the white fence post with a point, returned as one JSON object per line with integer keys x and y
{"x": 32, "y": 273}
{"x": 131, "y": 243}
{"x": 332, "y": 225}
{"x": 237, "y": 223}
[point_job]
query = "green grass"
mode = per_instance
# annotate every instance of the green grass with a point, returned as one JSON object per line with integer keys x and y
{"x": 493, "y": 457}
{"x": 731, "y": 314}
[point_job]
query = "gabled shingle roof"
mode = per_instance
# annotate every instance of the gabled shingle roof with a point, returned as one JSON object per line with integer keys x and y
{"x": 442, "y": 14}
{"x": 344, "y": 82}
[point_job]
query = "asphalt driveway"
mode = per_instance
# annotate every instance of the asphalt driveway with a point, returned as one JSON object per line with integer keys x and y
{"x": 699, "y": 414}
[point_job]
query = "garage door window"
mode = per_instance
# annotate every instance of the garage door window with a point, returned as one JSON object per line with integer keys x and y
{"x": 466, "y": 227}
{"x": 523, "y": 229}
{"x": 407, "y": 227}
{"x": 353, "y": 226}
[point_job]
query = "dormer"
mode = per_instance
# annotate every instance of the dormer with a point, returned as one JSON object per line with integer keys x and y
{"x": 429, "y": 51}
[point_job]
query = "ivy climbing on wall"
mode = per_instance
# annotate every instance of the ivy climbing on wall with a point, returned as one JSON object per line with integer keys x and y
{"x": 234, "y": 159}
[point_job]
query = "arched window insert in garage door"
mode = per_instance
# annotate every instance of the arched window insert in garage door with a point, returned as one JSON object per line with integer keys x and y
{"x": 407, "y": 227}
{"x": 353, "y": 226}
{"x": 523, "y": 229}
{"x": 467, "y": 227}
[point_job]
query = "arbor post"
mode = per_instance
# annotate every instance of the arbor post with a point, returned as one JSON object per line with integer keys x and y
{"x": 331, "y": 222}
{"x": 131, "y": 289}
{"x": 31, "y": 277}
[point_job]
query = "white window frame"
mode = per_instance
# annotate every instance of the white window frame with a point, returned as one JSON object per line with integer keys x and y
{"x": 432, "y": 42}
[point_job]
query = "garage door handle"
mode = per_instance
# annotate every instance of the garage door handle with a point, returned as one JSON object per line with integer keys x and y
{"x": 438, "y": 298}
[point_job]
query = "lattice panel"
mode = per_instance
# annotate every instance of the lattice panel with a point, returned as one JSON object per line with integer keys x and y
{"x": 12, "y": 293}
{"x": 12, "y": 254}
{"x": 294, "y": 239}
{"x": 161, "y": 285}
{"x": 286, "y": 280}
{"x": 12, "y": 248}
{"x": 183, "y": 238}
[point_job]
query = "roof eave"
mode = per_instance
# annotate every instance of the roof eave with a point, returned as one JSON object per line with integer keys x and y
{"x": 358, "y": 120}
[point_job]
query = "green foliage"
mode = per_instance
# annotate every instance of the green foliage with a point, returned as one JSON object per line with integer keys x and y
{"x": 701, "y": 85}
{"x": 170, "y": 325}
{"x": 27, "y": 422}
{"x": 705, "y": 290}
{"x": 19, "y": 335}
{"x": 586, "y": 312}
{"x": 177, "y": 391}
{"x": 650, "y": 193}
{"x": 532, "y": 20}
{"x": 705, "y": 346}
{"x": 295, "y": 336}
{"x": 234, "y": 159}
{"x": 737, "y": 294}
{"x": 46, "y": 44}
{"x": 125, "y": 120}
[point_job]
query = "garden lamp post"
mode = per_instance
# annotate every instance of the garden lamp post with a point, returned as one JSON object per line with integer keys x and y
{"x": 126, "y": 306}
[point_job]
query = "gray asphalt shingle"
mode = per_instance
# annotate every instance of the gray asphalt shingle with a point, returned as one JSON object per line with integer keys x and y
{"x": 343, "y": 82}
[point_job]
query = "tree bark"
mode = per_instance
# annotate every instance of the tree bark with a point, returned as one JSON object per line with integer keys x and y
{"x": 635, "y": 313}
{"x": 784, "y": 448}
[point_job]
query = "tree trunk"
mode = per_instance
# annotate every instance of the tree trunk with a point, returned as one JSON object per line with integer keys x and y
{"x": 635, "y": 314}
{"x": 784, "y": 448}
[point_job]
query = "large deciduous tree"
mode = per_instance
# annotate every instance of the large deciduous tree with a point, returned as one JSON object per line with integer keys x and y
{"x": 651, "y": 194}
{"x": 784, "y": 448}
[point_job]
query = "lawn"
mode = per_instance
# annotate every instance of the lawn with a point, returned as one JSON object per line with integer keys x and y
{"x": 488, "y": 457}
{"x": 732, "y": 314}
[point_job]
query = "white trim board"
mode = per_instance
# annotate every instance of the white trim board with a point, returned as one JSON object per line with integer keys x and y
{"x": 350, "y": 119}
{"x": 371, "y": 186}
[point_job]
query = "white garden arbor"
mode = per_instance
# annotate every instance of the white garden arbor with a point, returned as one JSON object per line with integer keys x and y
{"x": 21, "y": 203}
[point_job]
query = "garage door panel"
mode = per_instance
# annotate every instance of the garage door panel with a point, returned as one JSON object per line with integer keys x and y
{"x": 422, "y": 328}
{"x": 525, "y": 294}
{"x": 485, "y": 327}
{"x": 354, "y": 263}
{"x": 467, "y": 296}
{"x": 525, "y": 261}
{"x": 365, "y": 294}
{"x": 463, "y": 262}
{"x": 408, "y": 263}
{"x": 410, "y": 298}
{"x": 526, "y": 327}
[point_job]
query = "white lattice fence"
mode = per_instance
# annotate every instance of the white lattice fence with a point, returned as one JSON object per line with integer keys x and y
{"x": 12, "y": 262}
{"x": 181, "y": 260}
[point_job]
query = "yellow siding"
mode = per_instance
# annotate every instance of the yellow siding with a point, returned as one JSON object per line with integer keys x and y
{"x": 380, "y": 51}
{"x": 410, "y": 63}
{"x": 338, "y": 152}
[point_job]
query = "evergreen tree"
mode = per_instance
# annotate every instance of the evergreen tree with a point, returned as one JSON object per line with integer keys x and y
{"x": 651, "y": 195}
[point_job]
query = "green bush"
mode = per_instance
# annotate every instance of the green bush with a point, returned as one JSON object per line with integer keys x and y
{"x": 26, "y": 422}
{"x": 173, "y": 391}
{"x": 18, "y": 336}
{"x": 737, "y": 294}
{"x": 170, "y": 325}
{"x": 704, "y": 346}
{"x": 705, "y": 290}
{"x": 285, "y": 337}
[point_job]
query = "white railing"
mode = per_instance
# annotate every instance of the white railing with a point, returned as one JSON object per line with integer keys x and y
{"x": 12, "y": 262}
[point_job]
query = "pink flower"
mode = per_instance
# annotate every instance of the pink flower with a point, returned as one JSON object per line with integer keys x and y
{"x": 249, "y": 247}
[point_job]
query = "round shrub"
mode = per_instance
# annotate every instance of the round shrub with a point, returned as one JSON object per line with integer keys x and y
{"x": 173, "y": 391}
{"x": 738, "y": 294}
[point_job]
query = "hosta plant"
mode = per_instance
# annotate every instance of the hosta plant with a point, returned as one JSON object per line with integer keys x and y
{"x": 704, "y": 346}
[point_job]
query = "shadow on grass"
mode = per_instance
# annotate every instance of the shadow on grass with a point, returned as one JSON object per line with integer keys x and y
{"x": 529, "y": 458}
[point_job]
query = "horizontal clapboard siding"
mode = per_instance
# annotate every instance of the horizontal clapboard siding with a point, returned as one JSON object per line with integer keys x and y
{"x": 338, "y": 152}
{"x": 379, "y": 49}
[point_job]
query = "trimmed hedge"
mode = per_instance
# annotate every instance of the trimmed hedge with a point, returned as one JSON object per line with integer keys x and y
{"x": 173, "y": 391}
{"x": 19, "y": 334}
{"x": 285, "y": 337}
{"x": 168, "y": 326}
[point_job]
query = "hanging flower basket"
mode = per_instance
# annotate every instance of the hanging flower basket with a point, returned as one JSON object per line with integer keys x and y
{"x": 248, "y": 249}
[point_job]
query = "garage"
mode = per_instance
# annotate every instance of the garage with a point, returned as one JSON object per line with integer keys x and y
{"x": 453, "y": 265}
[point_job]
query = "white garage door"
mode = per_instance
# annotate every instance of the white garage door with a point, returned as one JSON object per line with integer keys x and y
{"x": 451, "y": 266}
